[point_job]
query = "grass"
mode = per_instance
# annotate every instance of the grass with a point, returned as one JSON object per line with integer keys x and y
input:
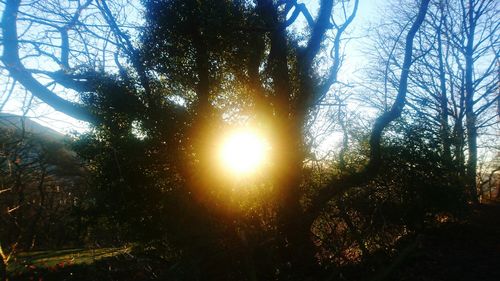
{"x": 101, "y": 264}
{"x": 25, "y": 261}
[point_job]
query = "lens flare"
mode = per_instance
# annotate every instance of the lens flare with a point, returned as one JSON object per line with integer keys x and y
{"x": 244, "y": 152}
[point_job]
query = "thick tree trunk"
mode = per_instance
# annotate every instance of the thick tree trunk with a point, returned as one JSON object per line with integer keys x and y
{"x": 296, "y": 252}
{"x": 297, "y": 247}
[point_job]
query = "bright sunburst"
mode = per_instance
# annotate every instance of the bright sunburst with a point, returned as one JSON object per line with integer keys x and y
{"x": 243, "y": 152}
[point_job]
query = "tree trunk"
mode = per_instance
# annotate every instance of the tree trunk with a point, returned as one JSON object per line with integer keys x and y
{"x": 458, "y": 133}
{"x": 339, "y": 186}
{"x": 288, "y": 123}
{"x": 470, "y": 115}
{"x": 472, "y": 159}
{"x": 443, "y": 100}
{"x": 297, "y": 247}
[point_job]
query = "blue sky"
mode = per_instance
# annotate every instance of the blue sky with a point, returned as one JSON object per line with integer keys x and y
{"x": 367, "y": 13}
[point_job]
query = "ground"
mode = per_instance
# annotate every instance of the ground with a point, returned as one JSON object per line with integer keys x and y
{"x": 467, "y": 250}
{"x": 455, "y": 250}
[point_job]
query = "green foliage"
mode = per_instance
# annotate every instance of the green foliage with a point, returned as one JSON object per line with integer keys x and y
{"x": 181, "y": 35}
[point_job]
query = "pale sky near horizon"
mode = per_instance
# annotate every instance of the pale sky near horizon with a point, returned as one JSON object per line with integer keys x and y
{"x": 367, "y": 13}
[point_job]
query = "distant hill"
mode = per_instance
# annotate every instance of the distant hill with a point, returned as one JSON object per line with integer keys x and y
{"x": 42, "y": 182}
{"x": 16, "y": 122}
{"x": 38, "y": 139}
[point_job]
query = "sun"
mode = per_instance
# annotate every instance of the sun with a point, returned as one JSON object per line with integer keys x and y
{"x": 244, "y": 152}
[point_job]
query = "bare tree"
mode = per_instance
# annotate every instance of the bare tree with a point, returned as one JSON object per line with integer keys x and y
{"x": 341, "y": 185}
{"x": 61, "y": 44}
{"x": 438, "y": 89}
{"x": 39, "y": 186}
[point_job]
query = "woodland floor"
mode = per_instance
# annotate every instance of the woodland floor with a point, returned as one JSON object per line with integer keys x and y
{"x": 467, "y": 250}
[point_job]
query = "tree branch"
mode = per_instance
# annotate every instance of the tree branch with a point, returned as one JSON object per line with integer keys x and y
{"x": 13, "y": 64}
{"x": 334, "y": 70}
{"x": 341, "y": 185}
